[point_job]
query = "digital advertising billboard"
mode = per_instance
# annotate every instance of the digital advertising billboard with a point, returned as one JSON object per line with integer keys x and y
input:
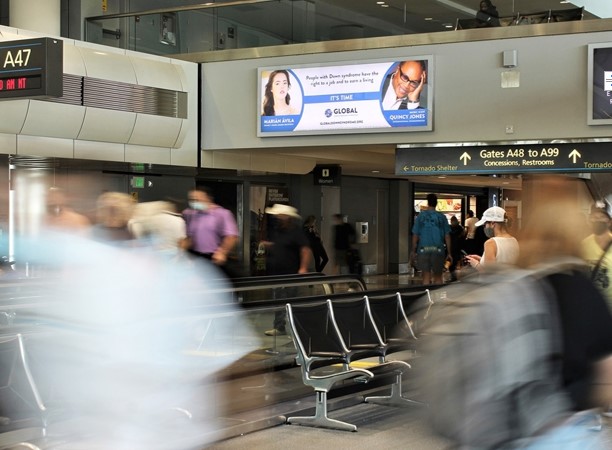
{"x": 599, "y": 85}
{"x": 369, "y": 97}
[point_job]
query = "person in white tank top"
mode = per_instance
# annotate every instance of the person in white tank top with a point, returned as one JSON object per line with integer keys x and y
{"x": 501, "y": 247}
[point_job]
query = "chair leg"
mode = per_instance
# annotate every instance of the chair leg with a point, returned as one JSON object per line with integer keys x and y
{"x": 395, "y": 398}
{"x": 320, "y": 418}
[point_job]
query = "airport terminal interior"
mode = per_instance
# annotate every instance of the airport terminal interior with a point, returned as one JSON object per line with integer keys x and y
{"x": 109, "y": 345}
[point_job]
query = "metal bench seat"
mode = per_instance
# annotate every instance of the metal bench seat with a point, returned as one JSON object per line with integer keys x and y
{"x": 361, "y": 336}
{"x": 318, "y": 343}
{"x": 390, "y": 318}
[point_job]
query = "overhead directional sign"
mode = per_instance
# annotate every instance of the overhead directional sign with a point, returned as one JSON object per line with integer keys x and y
{"x": 31, "y": 68}
{"x": 581, "y": 157}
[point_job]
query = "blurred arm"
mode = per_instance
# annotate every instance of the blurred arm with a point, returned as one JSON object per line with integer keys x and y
{"x": 304, "y": 259}
{"x": 602, "y": 392}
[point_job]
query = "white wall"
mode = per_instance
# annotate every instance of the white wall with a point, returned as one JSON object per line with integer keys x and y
{"x": 39, "y": 128}
{"x": 469, "y": 103}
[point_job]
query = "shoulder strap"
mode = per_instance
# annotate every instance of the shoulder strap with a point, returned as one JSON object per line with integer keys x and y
{"x": 598, "y": 265}
{"x": 441, "y": 219}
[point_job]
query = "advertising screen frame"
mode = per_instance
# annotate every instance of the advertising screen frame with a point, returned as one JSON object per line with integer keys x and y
{"x": 596, "y": 93}
{"x": 347, "y": 93}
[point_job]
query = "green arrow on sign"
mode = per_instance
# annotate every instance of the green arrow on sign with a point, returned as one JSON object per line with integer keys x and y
{"x": 574, "y": 154}
{"x": 465, "y": 158}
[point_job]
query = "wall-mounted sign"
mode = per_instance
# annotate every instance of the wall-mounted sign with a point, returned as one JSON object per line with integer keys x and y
{"x": 581, "y": 157}
{"x": 31, "y": 68}
{"x": 599, "y": 95}
{"x": 277, "y": 195}
{"x": 361, "y": 97}
{"x": 327, "y": 175}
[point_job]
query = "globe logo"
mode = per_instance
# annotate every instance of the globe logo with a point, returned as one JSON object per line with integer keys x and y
{"x": 328, "y": 112}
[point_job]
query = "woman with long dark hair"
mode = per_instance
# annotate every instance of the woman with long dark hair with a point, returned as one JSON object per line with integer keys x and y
{"x": 276, "y": 95}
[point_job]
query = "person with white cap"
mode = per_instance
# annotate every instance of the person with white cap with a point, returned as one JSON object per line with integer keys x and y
{"x": 501, "y": 247}
{"x": 288, "y": 251}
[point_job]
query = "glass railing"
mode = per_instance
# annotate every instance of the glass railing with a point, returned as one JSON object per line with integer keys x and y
{"x": 251, "y": 23}
{"x": 238, "y": 24}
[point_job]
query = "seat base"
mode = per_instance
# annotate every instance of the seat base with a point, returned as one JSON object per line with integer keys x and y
{"x": 322, "y": 422}
{"x": 394, "y": 398}
{"x": 320, "y": 418}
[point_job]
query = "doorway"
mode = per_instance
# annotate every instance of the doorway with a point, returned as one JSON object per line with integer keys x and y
{"x": 330, "y": 205}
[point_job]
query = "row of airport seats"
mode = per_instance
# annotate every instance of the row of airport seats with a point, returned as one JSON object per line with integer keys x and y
{"x": 23, "y": 414}
{"x": 331, "y": 336}
{"x": 550, "y": 16}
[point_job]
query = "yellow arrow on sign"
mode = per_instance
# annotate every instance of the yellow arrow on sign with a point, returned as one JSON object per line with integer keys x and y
{"x": 574, "y": 154}
{"x": 465, "y": 158}
{"x": 406, "y": 168}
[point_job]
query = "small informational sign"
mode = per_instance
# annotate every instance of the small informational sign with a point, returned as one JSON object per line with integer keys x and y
{"x": 31, "y": 68}
{"x": 327, "y": 175}
{"x": 358, "y": 97}
{"x": 363, "y": 232}
{"x": 574, "y": 157}
{"x": 277, "y": 195}
{"x": 137, "y": 182}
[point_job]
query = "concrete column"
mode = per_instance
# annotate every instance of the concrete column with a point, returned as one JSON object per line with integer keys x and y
{"x": 42, "y": 16}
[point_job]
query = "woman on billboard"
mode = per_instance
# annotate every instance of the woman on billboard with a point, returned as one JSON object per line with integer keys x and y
{"x": 276, "y": 98}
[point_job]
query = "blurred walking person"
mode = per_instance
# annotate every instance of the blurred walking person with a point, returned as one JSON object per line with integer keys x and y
{"x": 344, "y": 237}
{"x": 287, "y": 252}
{"x": 212, "y": 232}
{"x": 316, "y": 244}
{"x": 597, "y": 251}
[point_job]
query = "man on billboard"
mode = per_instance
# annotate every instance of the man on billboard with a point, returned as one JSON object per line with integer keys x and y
{"x": 402, "y": 88}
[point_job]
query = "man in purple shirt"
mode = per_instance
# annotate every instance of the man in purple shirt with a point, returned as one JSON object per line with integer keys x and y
{"x": 212, "y": 232}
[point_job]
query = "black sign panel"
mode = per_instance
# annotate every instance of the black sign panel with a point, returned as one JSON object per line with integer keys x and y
{"x": 277, "y": 195}
{"x": 327, "y": 175}
{"x": 31, "y": 68}
{"x": 585, "y": 157}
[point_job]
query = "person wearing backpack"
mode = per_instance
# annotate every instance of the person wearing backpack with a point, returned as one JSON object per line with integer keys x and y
{"x": 521, "y": 358}
{"x": 584, "y": 317}
{"x": 431, "y": 243}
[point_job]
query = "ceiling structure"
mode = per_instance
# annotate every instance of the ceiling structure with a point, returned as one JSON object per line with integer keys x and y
{"x": 345, "y": 19}
{"x": 373, "y": 18}
{"x": 426, "y": 16}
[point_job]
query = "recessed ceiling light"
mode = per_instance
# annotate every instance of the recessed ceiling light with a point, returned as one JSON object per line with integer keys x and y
{"x": 384, "y": 6}
{"x": 449, "y": 25}
{"x": 380, "y": 3}
{"x": 376, "y": 171}
{"x": 428, "y": 18}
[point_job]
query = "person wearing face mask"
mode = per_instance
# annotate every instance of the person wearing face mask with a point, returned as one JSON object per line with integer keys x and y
{"x": 596, "y": 251}
{"x": 212, "y": 232}
{"x": 501, "y": 247}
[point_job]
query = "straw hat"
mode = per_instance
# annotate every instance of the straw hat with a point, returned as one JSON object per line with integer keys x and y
{"x": 279, "y": 208}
